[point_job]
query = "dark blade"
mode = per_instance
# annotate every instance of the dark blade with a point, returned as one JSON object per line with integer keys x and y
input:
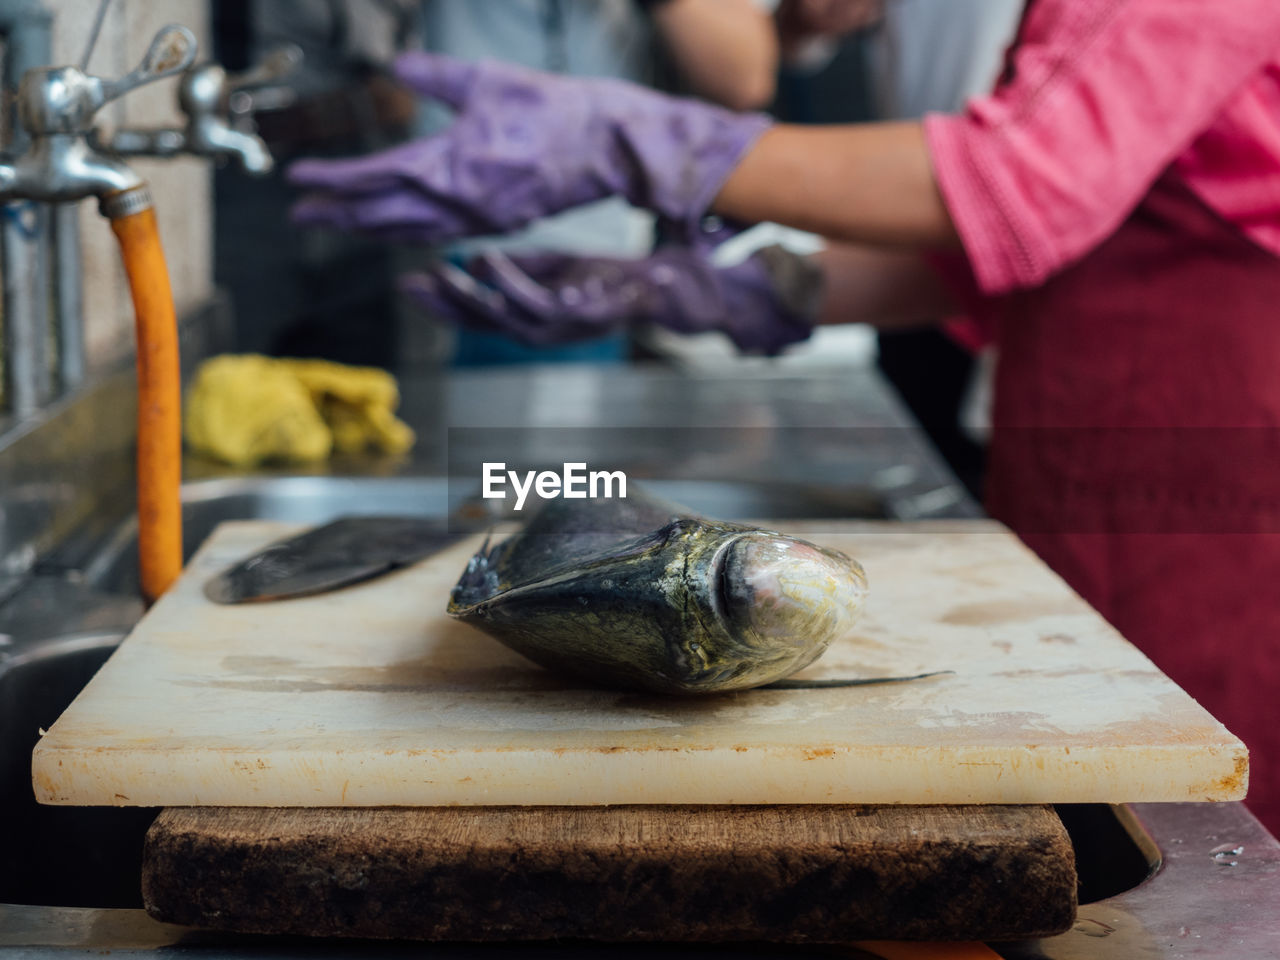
{"x": 336, "y": 555}
{"x": 800, "y": 684}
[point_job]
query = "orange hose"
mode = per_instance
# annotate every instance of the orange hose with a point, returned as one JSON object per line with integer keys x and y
{"x": 159, "y": 402}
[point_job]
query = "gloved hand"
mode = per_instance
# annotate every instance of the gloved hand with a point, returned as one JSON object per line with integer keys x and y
{"x": 763, "y": 304}
{"x": 526, "y": 144}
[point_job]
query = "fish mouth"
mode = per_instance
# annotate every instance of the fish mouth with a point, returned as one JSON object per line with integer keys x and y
{"x": 778, "y": 595}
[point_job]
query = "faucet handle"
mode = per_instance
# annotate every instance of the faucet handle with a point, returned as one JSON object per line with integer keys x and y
{"x": 256, "y": 88}
{"x": 58, "y": 100}
{"x": 279, "y": 63}
{"x": 171, "y": 52}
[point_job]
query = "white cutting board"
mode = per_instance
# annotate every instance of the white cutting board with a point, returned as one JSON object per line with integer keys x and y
{"x": 372, "y": 696}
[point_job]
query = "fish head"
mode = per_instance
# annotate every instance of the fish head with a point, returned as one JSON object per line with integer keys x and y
{"x": 694, "y": 606}
{"x": 777, "y": 604}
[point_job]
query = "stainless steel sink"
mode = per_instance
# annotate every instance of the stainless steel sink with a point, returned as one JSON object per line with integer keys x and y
{"x": 112, "y": 563}
{"x": 69, "y": 878}
{"x": 66, "y": 856}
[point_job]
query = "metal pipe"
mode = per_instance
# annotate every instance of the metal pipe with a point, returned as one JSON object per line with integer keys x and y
{"x": 93, "y": 34}
{"x": 68, "y": 297}
{"x": 24, "y": 244}
{"x": 25, "y": 341}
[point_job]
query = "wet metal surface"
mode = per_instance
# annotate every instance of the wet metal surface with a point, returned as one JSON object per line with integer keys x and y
{"x": 1216, "y": 893}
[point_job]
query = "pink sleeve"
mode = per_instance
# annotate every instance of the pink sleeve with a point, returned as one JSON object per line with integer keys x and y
{"x": 1105, "y": 95}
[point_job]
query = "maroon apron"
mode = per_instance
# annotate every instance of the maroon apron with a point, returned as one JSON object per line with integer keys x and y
{"x": 1136, "y": 448}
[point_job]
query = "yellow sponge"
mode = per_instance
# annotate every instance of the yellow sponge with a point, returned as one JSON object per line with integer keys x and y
{"x": 250, "y": 409}
{"x": 357, "y": 403}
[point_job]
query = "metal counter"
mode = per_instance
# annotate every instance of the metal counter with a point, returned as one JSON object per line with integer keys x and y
{"x": 841, "y": 436}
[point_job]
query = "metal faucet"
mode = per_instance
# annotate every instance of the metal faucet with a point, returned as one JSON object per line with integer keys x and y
{"x": 213, "y": 128}
{"x": 56, "y": 108}
{"x": 53, "y": 160}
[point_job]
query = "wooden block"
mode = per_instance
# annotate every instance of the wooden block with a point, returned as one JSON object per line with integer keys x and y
{"x": 780, "y": 873}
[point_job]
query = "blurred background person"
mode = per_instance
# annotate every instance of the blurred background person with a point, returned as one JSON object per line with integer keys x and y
{"x": 850, "y": 61}
{"x": 310, "y": 294}
{"x": 932, "y": 56}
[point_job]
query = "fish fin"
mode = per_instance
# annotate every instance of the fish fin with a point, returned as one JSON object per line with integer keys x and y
{"x": 478, "y": 580}
{"x": 837, "y": 682}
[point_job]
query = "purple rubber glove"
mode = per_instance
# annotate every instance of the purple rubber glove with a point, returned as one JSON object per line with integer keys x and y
{"x": 763, "y": 304}
{"x": 526, "y": 144}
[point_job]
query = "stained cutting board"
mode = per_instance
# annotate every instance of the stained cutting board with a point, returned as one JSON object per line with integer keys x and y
{"x": 810, "y": 873}
{"x": 371, "y": 696}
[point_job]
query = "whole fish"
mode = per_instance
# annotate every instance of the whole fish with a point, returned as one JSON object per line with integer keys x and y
{"x": 640, "y": 594}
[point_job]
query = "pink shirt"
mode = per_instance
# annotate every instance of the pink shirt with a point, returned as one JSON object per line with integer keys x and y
{"x": 1106, "y": 95}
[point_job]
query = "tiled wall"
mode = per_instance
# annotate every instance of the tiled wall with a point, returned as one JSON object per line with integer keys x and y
{"x": 181, "y": 187}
